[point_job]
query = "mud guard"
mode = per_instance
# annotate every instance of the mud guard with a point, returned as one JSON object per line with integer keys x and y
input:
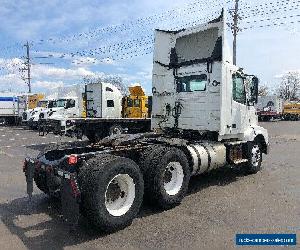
{"x": 29, "y": 173}
{"x": 70, "y": 200}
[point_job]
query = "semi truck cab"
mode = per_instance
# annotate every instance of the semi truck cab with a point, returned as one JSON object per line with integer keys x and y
{"x": 202, "y": 119}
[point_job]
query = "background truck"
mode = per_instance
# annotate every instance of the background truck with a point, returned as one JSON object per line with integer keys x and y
{"x": 12, "y": 106}
{"x": 203, "y": 118}
{"x": 108, "y": 112}
{"x": 137, "y": 104}
{"x": 32, "y": 117}
{"x": 269, "y": 107}
{"x": 9, "y": 108}
{"x": 68, "y": 104}
{"x": 291, "y": 111}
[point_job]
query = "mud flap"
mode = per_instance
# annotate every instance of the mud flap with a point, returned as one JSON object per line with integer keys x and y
{"x": 29, "y": 173}
{"x": 70, "y": 200}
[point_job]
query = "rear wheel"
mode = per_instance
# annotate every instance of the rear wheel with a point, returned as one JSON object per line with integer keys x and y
{"x": 166, "y": 177}
{"x": 112, "y": 191}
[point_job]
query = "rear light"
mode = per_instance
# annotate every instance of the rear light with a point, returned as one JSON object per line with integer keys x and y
{"x": 72, "y": 159}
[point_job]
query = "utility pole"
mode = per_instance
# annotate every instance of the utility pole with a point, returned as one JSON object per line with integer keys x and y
{"x": 235, "y": 29}
{"x": 27, "y": 63}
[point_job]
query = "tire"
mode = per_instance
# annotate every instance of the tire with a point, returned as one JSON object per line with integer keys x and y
{"x": 103, "y": 181}
{"x": 254, "y": 155}
{"x": 166, "y": 175}
{"x": 115, "y": 130}
{"x": 147, "y": 155}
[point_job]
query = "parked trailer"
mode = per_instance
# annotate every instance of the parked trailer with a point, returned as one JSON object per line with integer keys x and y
{"x": 10, "y": 108}
{"x": 291, "y": 111}
{"x": 269, "y": 107}
{"x": 204, "y": 122}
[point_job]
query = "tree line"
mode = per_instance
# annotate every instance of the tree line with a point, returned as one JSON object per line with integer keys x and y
{"x": 288, "y": 89}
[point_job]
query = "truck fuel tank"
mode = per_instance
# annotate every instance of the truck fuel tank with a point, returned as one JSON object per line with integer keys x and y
{"x": 207, "y": 156}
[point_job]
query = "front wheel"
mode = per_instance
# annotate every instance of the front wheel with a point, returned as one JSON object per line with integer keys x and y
{"x": 254, "y": 155}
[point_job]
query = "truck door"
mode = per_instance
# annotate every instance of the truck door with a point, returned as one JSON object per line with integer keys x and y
{"x": 239, "y": 104}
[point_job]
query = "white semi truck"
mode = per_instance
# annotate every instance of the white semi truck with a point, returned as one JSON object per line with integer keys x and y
{"x": 203, "y": 118}
{"x": 35, "y": 112}
{"x": 68, "y": 104}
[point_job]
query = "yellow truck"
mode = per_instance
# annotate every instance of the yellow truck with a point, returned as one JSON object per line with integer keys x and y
{"x": 34, "y": 99}
{"x": 136, "y": 105}
{"x": 291, "y": 111}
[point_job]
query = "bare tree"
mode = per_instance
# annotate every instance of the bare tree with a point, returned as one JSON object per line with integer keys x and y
{"x": 290, "y": 86}
{"x": 263, "y": 90}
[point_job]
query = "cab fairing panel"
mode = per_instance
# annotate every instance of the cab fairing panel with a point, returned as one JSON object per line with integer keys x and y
{"x": 199, "y": 110}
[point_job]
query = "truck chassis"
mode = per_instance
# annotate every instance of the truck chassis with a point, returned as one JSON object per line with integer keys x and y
{"x": 107, "y": 181}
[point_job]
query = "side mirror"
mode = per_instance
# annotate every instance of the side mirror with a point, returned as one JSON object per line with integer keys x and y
{"x": 254, "y": 90}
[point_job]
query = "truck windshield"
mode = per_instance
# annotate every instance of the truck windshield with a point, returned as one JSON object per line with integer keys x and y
{"x": 129, "y": 103}
{"x": 42, "y": 104}
{"x": 136, "y": 102}
{"x": 51, "y": 104}
{"x": 61, "y": 103}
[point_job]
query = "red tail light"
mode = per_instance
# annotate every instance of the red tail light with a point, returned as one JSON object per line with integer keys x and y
{"x": 72, "y": 159}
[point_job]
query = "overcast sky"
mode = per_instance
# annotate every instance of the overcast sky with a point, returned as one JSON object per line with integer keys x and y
{"x": 58, "y": 29}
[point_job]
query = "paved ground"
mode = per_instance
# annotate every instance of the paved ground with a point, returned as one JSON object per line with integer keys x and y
{"x": 218, "y": 206}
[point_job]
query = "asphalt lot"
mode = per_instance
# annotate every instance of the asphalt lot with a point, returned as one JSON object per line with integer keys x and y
{"x": 218, "y": 206}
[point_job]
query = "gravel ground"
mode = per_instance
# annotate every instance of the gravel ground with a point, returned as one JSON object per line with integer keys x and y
{"x": 218, "y": 205}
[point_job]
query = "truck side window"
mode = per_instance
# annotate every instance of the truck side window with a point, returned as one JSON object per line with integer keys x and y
{"x": 110, "y": 103}
{"x": 238, "y": 89}
{"x": 108, "y": 89}
{"x": 192, "y": 83}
